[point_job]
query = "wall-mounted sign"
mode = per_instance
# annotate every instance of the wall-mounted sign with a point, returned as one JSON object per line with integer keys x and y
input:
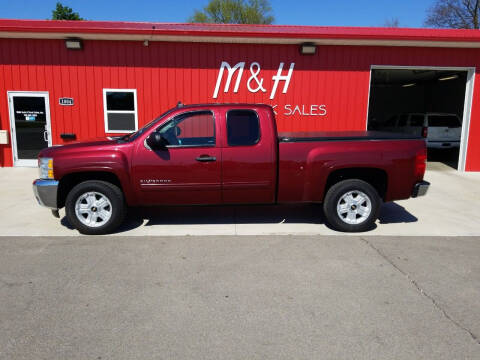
{"x": 65, "y": 101}
{"x": 254, "y": 76}
{"x": 255, "y": 83}
{"x": 29, "y": 115}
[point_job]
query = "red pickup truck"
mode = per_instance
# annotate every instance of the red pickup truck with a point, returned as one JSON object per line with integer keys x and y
{"x": 230, "y": 154}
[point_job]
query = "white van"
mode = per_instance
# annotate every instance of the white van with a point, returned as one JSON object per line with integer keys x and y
{"x": 443, "y": 131}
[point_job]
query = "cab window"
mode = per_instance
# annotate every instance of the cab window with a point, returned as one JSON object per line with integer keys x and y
{"x": 450, "y": 121}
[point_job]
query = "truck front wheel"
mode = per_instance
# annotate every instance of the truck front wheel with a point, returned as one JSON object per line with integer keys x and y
{"x": 352, "y": 206}
{"x": 95, "y": 207}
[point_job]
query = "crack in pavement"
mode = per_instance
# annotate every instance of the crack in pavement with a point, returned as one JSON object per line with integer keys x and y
{"x": 421, "y": 291}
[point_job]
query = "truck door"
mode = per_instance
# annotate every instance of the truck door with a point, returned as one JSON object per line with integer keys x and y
{"x": 188, "y": 171}
{"x": 249, "y": 157}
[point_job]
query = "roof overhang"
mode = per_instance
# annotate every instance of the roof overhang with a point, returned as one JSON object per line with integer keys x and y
{"x": 224, "y": 33}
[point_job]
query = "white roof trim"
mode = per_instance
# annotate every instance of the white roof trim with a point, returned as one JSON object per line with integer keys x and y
{"x": 237, "y": 40}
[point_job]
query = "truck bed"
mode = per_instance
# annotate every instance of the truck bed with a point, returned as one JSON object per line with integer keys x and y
{"x": 343, "y": 136}
{"x": 307, "y": 159}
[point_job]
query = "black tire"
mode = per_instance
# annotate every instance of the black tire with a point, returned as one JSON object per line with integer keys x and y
{"x": 335, "y": 193}
{"x": 110, "y": 191}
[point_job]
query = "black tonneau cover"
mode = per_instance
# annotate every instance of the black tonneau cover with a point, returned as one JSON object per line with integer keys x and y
{"x": 343, "y": 136}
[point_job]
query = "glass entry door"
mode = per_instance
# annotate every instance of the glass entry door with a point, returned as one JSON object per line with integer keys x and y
{"x": 30, "y": 123}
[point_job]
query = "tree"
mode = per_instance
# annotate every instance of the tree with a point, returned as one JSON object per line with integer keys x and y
{"x": 456, "y": 14}
{"x": 392, "y": 23}
{"x": 234, "y": 12}
{"x": 64, "y": 13}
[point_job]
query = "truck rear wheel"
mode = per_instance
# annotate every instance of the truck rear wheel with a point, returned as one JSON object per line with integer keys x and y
{"x": 95, "y": 207}
{"x": 352, "y": 206}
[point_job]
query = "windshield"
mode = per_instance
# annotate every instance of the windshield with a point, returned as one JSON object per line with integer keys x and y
{"x": 136, "y": 134}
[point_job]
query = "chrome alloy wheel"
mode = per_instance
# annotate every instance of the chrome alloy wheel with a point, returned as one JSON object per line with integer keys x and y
{"x": 354, "y": 207}
{"x": 93, "y": 209}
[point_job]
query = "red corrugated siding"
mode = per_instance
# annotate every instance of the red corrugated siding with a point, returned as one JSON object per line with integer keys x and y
{"x": 164, "y": 73}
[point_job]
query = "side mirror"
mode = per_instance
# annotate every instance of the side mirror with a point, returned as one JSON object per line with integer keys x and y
{"x": 156, "y": 141}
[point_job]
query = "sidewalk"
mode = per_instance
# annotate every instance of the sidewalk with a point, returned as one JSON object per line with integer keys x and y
{"x": 449, "y": 209}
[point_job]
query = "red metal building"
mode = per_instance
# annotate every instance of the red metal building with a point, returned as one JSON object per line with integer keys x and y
{"x": 63, "y": 81}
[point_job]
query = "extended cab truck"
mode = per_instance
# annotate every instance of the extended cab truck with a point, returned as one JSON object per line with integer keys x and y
{"x": 230, "y": 154}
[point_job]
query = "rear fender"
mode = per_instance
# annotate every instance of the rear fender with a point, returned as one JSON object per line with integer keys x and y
{"x": 320, "y": 165}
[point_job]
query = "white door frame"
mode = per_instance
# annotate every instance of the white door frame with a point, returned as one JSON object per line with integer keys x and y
{"x": 467, "y": 105}
{"x": 48, "y": 128}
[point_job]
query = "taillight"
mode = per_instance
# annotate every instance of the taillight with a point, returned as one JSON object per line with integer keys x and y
{"x": 425, "y": 131}
{"x": 420, "y": 163}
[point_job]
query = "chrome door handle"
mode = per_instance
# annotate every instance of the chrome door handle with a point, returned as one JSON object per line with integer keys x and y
{"x": 205, "y": 158}
{"x": 45, "y": 135}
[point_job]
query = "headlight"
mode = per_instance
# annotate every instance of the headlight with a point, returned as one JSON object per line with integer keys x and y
{"x": 45, "y": 168}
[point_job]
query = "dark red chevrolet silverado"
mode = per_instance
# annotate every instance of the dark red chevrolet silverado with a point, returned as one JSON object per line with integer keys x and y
{"x": 230, "y": 154}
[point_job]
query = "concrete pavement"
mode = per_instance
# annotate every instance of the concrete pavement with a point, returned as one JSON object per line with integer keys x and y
{"x": 447, "y": 209}
{"x": 220, "y": 297}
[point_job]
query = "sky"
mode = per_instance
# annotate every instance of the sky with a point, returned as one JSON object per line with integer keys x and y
{"x": 410, "y": 13}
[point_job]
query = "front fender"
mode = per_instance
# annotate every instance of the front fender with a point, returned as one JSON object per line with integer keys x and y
{"x": 101, "y": 161}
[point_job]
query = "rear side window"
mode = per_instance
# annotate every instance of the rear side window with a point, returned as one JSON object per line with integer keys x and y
{"x": 403, "y": 120}
{"x": 417, "y": 120}
{"x": 443, "y": 121}
{"x": 243, "y": 128}
{"x": 391, "y": 121}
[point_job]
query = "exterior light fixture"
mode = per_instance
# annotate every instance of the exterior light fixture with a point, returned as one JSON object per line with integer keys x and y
{"x": 452, "y": 77}
{"x": 409, "y": 85}
{"x": 308, "y": 49}
{"x": 73, "y": 44}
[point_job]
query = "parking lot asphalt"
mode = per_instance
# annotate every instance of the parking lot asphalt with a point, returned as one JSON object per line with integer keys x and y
{"x": 447, "y": 210}
{"x": 240, "y": 297}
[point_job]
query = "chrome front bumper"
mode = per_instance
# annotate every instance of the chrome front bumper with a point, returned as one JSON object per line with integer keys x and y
{"x": 45, "y": 192}
{"x": 420, "y": 189}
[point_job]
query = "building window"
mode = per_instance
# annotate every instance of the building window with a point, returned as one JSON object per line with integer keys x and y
{"x": 243, "y": 128}
{"x": 120, "y": 110}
